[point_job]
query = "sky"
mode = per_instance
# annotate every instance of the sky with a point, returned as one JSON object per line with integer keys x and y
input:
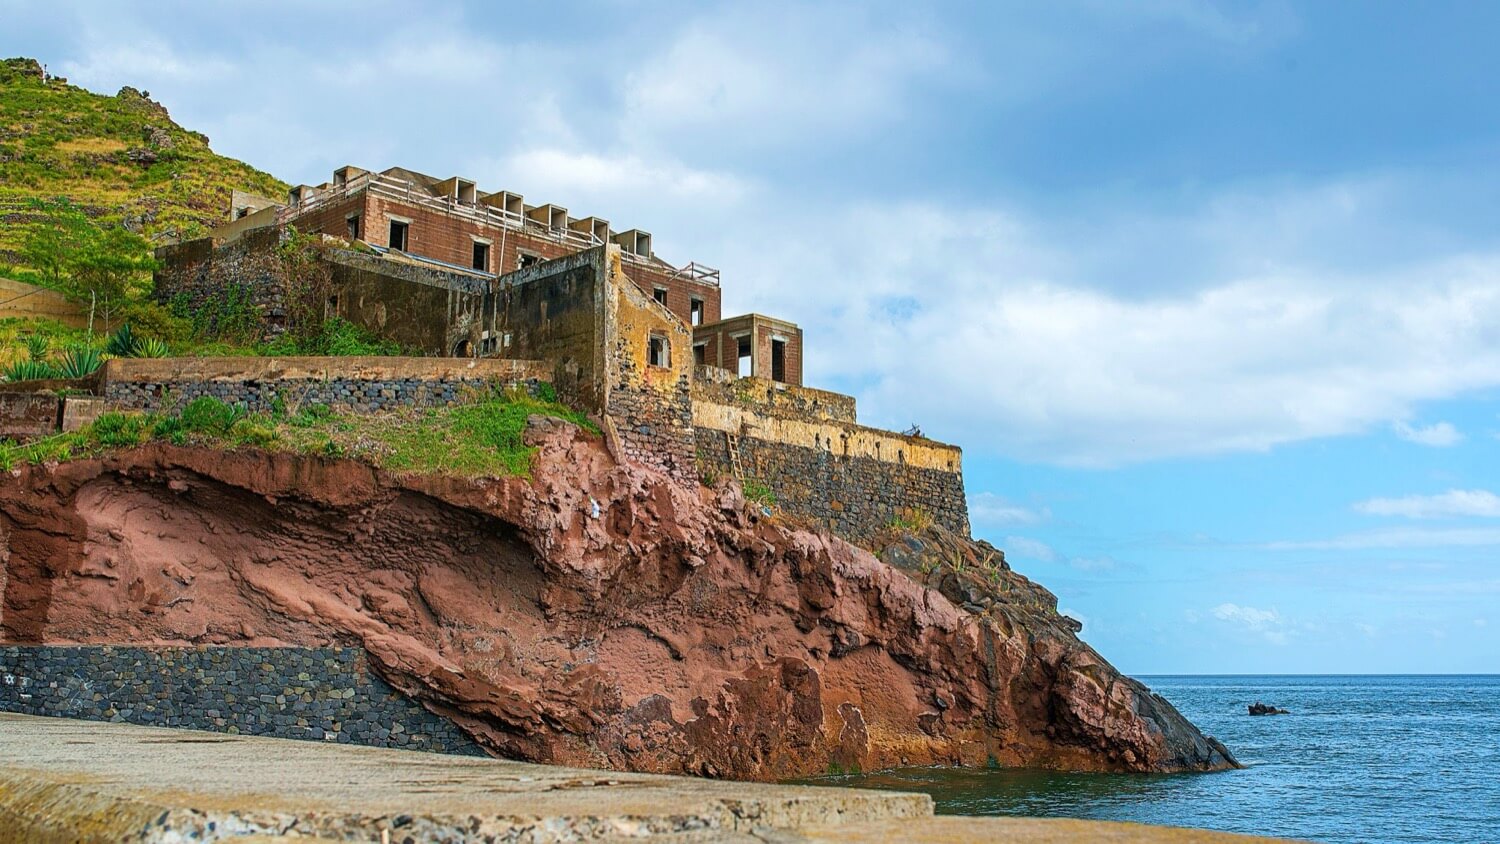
{"x": 1208, "y": 292}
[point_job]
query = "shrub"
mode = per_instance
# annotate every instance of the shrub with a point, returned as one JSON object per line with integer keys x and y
{"x": 120, "y": 430}
{"x": 29, "y": 370}
{"x": 79, "y": 362}
{"x": 208, "y": 415}
{"x": 546, "y": 392}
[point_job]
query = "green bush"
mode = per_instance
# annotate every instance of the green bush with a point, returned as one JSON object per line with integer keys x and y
{"x": 79, "y": 362}
{"x": 208, "y": 415}
{"x": 152, "y": 320}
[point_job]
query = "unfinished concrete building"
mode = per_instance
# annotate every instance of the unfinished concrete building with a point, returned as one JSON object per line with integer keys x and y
{"x": 442, "y": 267}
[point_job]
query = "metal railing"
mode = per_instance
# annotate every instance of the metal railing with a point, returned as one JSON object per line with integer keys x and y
{"x": 409, "y": 193}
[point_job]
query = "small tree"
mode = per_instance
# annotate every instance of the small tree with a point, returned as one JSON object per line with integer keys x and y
{"x": 106, "y": 266}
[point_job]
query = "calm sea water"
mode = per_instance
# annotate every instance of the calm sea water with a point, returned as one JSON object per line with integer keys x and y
{"x": 1360, "y": 759}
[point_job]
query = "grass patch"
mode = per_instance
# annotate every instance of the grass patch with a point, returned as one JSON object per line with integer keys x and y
{"x": 482, "y": 438}
{"x": 759, "y": 492}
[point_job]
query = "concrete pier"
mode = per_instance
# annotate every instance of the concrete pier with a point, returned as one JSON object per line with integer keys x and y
{"x": 80, "y": 781}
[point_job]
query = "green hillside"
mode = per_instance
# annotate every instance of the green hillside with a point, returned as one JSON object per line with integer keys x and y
{"x": 121, "y": 158}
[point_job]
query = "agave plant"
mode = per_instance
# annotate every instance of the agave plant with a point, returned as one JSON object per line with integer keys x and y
{"x": 79, "y": 362}
{"x": 36, "y": 347}
{"x": 29, "y": 370}
{"x": 123, "y": 343}
{"x": 152, "y": 347}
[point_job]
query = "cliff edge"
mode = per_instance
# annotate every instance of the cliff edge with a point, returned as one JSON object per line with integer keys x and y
{"x": 594, "y": 615}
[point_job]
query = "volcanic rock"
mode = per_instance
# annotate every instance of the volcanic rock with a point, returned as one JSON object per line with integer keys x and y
{"x": 596, "y": 614}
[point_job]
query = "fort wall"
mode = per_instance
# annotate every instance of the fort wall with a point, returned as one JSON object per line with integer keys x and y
{"x": 854, "y": 480}
{"x": 318, "y": 694}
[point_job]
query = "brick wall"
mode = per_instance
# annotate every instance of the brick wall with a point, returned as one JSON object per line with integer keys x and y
{"x": 364, "y": 384}
{"x": 447, "y": 237}
{"x": 318, "y": 694}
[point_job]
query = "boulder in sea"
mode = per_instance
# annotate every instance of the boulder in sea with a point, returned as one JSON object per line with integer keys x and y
{"x": 1258, "y": 708}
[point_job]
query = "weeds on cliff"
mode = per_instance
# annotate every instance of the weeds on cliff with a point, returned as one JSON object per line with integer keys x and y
{"x": 911, "y": 520}
{"x": 758, "y": 492}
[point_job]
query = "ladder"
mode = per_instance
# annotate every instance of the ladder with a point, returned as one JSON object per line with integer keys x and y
{"x": 732, "y": 446}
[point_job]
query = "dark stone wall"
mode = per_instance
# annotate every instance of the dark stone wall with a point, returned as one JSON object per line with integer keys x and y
{"x": 357, "y": 395}
{"x": 426, "y": 309}
{"x": 198, "y": 271}
{"x": 318, "y": 694}
{"x": 554, "y": 311}
{"x": 855, "y": 497}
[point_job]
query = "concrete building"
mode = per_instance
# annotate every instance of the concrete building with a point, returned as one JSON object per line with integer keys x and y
{"x": 441, "y": 267}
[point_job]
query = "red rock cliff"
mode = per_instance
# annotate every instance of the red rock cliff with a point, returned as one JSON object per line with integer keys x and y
{"x": 597, "y": 615}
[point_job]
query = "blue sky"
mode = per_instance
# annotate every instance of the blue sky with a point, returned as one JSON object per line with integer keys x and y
{"x": 1209, "y": 292}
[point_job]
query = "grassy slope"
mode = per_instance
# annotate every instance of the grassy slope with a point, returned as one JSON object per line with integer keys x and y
{"x": 58, "y": 140}
{"x": 483, "y": 438}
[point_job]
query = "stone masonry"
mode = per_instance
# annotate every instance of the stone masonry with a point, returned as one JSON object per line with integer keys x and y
{"x": 319, "y": 694}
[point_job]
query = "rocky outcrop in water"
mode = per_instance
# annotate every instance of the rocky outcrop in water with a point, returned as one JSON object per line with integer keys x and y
{"x": 597, "y": 614}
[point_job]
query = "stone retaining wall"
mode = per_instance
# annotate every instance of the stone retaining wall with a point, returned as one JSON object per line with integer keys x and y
{"x": 360, "y": 384}
{"x": 320, "y": 694}
{"x": 853, "y": 480}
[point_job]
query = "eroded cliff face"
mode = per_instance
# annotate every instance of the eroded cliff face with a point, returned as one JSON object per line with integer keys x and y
{"x": 596, "y": 615}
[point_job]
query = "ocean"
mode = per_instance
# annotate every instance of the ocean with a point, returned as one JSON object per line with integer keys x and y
{"x": 1359, "y": 759}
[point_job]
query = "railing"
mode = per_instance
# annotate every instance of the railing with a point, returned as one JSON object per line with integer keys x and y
{"x": 404, "y": 191}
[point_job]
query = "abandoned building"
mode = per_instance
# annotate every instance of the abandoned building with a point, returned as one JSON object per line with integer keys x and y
{"x": 442, "y": 267}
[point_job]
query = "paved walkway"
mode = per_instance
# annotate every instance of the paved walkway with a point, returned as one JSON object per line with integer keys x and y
{"x": 64, "y": 780}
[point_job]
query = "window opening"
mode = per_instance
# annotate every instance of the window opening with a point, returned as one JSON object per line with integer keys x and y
{"x": 658, "y": 352}
{"x": 398, "y": 235}
{"x": 778, "y": 360}
{"x": 527, "y": 259}
{"x": 700, "y": 354}
{"x": 660, "y": 295}
{"x": 353, "y": 224}
{"x": 743, "y": 364}
{"x": 695, "y": 311}
{"x": 481, "y": 256}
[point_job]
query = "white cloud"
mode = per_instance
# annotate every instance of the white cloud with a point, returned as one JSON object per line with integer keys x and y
{"x": 1030, "y": 549}
{"x": 1005, "y": 338}
{"x": 1249, "y": 616}
{"x": 1267, "y": 624}
{"x": 1454, "y": 502}
{"x": 597, "y": 176}
{"x": 1440, "y": 435}
{"x": 989, "y": 509}
{"x": 1395, "y": 538}
{"x": 767, "y": 74}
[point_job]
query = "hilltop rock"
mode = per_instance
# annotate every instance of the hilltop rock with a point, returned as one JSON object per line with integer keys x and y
{"x": 597, "y": 615}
